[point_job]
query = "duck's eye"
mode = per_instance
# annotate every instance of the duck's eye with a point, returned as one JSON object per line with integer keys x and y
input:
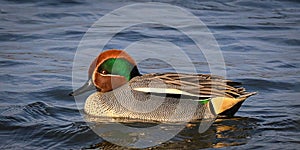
{"x": 103, "y": 72}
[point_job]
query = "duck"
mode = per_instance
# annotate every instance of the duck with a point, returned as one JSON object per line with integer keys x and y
{"x": 123, "y": 92}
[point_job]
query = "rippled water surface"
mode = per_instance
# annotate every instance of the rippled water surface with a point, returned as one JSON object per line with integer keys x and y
{"x": 260, "y": 42}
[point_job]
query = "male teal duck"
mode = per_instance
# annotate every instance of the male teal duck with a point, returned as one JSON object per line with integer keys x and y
{"x": 122, "y": 92}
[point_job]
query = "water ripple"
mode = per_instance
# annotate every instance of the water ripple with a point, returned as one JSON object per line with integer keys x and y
{"x": 259, "y": 41}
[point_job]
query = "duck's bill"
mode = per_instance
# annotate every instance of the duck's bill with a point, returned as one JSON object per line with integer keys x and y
{"x": 88, "y": 86}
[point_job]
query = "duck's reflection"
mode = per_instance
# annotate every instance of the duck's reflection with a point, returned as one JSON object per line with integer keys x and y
{"x": 224, "y": 132}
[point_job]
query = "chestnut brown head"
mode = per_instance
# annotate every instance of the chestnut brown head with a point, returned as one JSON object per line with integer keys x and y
{"x": 110, "y": 70}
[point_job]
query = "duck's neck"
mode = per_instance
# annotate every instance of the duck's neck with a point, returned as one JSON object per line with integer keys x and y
{"x": 134, "y": 72}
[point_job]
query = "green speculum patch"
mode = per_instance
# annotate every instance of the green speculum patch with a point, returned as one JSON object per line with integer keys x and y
{"x": 204, "y": 101}
{"x": 117, "y": 66}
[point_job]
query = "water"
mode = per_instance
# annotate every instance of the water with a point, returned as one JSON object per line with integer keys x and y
{"x": 260, "y": 42}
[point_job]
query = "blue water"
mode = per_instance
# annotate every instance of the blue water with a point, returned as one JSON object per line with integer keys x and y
{"x": 260, "y": 42}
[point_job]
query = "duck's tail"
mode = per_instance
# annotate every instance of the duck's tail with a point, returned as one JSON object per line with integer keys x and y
{"x": 229, "y": 106}
{"x": 248, "y": 94}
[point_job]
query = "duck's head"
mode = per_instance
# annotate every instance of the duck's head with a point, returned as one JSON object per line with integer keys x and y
{"x": 110, "y": 70}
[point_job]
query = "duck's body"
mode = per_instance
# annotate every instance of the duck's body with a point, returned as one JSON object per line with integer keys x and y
{"x": 169, "y": 97}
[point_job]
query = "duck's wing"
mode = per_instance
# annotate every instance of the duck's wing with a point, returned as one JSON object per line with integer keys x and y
{"x": 203, "y": 86}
